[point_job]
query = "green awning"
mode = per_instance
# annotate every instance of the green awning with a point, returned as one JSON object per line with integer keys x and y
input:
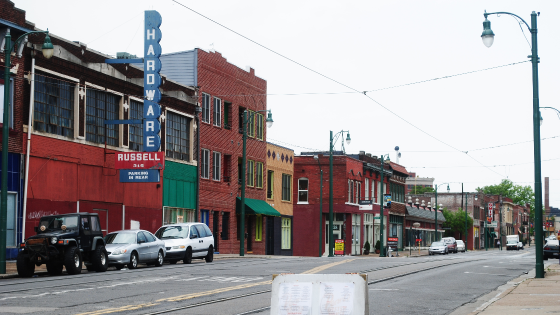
{"x": 255, "y": 206}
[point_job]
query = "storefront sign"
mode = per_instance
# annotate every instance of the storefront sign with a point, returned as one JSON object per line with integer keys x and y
{"x": 494, "y": 224}
{"x": 393, "y": 242}
{"x": 139, "y": 176}
{"x": 139, "y": 160}
{"x": 365, "y": 205}
{"x": 152, "y": 81}
{"x": 339, "y": 247}
{"x": 387, "y": 200}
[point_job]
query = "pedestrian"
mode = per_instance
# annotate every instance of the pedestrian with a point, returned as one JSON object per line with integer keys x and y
{"x": 498, "y": 243}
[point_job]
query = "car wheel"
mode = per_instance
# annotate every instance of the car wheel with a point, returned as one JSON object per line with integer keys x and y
{"x": 188, "y": 256}
{"x": 100, "y": 260}
{"x": 133, "y": 264}
{"x": 73, "y": 260}
{"x": 54, "y": 269}
{"x": 159, "y": 261}
{"x": 210, "y": 256}
{"x": 173, "y": 262}
{"x": 119, "y": 267}
{"x": 25, "y": 268}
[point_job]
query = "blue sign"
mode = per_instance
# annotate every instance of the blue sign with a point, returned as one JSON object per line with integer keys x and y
{"x": 139, "y": 176}
{"x": 152, "y": 81}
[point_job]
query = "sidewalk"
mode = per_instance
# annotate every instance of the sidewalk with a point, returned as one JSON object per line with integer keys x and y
{"x": 530, "y": 296}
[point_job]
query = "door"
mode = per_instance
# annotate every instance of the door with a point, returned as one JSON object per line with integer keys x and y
{"x": 249, "y": 234}
{"x": 270, "y": 236}
{"x": 216, "y": 229}
{"x": 152, "y": 247}
{"x": 143, "y": 247}
{"x": 204, "y": 241}
{"x": 337, "y": 234}
{"x": 195, "y": 241}
{"x": 356, "y": 234}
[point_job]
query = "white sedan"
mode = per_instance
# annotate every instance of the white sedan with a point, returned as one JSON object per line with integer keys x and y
{"x": 461, "y": 246}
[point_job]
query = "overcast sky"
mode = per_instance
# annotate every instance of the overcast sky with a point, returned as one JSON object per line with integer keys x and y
{"x": 368, "y": 45}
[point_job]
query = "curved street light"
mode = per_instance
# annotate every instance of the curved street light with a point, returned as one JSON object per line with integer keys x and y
{"x": 488, "y": 40}
{"x": 48, "y": 51}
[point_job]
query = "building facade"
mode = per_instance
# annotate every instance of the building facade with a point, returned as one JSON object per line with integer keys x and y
{"x": 413, "y": 181}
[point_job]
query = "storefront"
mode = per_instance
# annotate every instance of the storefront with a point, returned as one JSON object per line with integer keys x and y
{"x": 179, "y": 193}
{"x": 396, "y": 228}
{"x": 425, "y": 231}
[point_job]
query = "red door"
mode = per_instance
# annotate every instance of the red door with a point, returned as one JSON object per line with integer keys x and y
{"x": 110, "y": 214}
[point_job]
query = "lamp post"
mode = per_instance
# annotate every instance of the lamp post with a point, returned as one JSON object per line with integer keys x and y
{"x": 246, "y": 119}
{"x": 333, "y": 139}
{"x": 48, "y": 51}
{"x": 316, "y": 157}
{"x": 488, "y": 39}
{"x": 439, "y": 205}
{"x": 382, "y": 206}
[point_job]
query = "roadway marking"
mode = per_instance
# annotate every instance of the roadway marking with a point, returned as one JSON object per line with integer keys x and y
{"x": 482, "y": 273}
{"x": 205, "y": 293}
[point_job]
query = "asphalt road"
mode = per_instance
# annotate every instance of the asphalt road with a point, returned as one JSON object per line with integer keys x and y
{"x": 416, "y": 285}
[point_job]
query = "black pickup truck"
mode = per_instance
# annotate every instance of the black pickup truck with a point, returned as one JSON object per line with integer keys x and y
{"x": 64, "y": 240}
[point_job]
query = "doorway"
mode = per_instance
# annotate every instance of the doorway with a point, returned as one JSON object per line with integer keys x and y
{"x": 270, "y": 236}
{"x": 337, "y": 234}
{"x": 356, "y": 234}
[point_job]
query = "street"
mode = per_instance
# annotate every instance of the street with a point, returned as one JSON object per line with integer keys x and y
{"x": 417, "y": 285}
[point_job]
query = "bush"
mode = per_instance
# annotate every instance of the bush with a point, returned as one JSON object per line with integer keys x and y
{"x": 378, "y": 245}
{"x": 366, "y": 246}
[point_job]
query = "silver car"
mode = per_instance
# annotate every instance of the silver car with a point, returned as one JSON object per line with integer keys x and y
{"x": 131, "y": 247}
{"x": 438, "y": 248}
{"x": 185, "y": 241}
{"x": 461, "y": 246}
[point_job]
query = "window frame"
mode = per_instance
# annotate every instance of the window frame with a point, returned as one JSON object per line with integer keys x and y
{"x": 205, "y": 163}
{"x": 250, "y": 123}
{"x": 286, "y": 232}
{"x": 91, "y": 100}
{"x": 259, "y": 177}
{"x": 217, "y": 112}
{"x": 216, "y": 166}
{"x": 259, "y": 131}
{"x": 173, "y": 134}
{"x": 258, "y": 227}
{"x": 135, "y": 131}
{"x": 270, "y": 184}
{"x": 303, "y": 190}
{"x": 41, "y": 80}
{"x": 286, "y": 187}
{"x": 206, "y": 108}
{"x": 358, "y": 192}
{"x": 250, "y": 173}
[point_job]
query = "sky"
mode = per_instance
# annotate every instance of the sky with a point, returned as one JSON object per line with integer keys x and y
{"x": 469, "y": 120}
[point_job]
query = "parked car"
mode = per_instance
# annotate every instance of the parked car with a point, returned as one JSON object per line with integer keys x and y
{"x": 550, "y": 249}
{"x": 438, "y": 248}
{"x": 461, "y": 246}
{"x": 131, "y": 247}
{"x": 551, "y": 237}
{"x": 512, "y": 242}
{"x": 451, "y": 244}
{"x": 520, "y": 245}
{"x": 185, "y": 241}
{"x": 64, "y": 240}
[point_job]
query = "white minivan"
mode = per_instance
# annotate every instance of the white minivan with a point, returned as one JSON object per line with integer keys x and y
{"x": 187, "y": 241}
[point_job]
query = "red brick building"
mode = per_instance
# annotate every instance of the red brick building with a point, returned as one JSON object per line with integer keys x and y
{"x": 226, "y": 92}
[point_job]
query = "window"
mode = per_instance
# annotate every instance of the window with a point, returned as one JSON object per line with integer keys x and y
{"x": 225, "y": 226}
{"x": 95, "y": 223}
{"x": 366, "y": 189}
{"x": 177, "y": 215}
{"x": 177, "y": 136}
{"x": 216, "y": 165}
{"x": 350, "y": 191}
{"x": 205, "y": 163}
{"x": 135, "y": 131}
{"x": 259, "y": 175}
{"x": 286, "y": 187}
{"x": 227, "y": 115}
{"x": 259, "y": 126}
{"x": 250, "y": 173}
{"x": 358, "y": 191}
{"x": 205, "y": 108}
{"x": 251, "y": 123}
{"x": 303, "y": 190}
{"x": 217, "y": 112}
{"x": 258, "y": 228}
{"x": 12, "y": 220}
{"x": 373, "y": 185}
{"x": 286, "y": 233}
{"x": 102, "y": 106}
{"x": 54, "y": 106}
{"x": 270, "y": 185}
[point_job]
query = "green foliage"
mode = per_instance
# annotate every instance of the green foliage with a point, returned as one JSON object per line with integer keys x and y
{"x": 378, "y": 245}
{"x": 418, "y": 190}
{"x": 455, "y": 220}
{"x": 367, "y": 246}
{"x": 520, "y": 195}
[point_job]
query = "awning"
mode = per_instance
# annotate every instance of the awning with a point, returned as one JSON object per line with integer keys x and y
{"x": 256, "y": 206}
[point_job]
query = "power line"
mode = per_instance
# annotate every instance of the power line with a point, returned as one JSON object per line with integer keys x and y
{"x": 470, "y": 166}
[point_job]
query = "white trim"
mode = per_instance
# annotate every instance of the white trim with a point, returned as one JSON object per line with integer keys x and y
{"x": 130, "y": 97}
{"x": 57, "y": 74}
{"x": 178, "y": 112}
{"x": 95, "y": 86}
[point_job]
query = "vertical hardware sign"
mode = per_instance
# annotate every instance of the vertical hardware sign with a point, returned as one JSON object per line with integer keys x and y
{"x": 152, "y": 81}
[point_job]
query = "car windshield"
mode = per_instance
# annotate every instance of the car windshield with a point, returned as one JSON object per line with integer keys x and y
{"x": 176, "y": 231}
{"x": 460, "y": 242}
{"x": 121, "y": 238}
{"x": 56, "y": 223}
{"x": 434, "y": 244}
{"x": 447, "y": 240}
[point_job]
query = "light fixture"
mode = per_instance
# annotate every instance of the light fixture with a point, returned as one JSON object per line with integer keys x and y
{"x": 48, "y": 48}
{"x": 448, "y": 188}
{"x": 269, "y": 120}
{"x": 348, "y": 140}
{"x": 487, "y": 34}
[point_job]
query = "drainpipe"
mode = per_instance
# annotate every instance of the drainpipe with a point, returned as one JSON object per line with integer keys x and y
{"x": 197, "y": 111}
{"x": 29, "y": 129}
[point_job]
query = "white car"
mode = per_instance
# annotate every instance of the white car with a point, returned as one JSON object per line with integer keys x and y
{"x": 438, "y": 248}
{"x": 461, "y": 246}
{"x": 520, "y": 245}
{"x": 187, "y": 241}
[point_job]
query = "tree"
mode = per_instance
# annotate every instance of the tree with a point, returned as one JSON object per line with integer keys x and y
{"x": 418, "y": 190}
{"x": 520, "y": 195}
{"x": 455, "y": 221}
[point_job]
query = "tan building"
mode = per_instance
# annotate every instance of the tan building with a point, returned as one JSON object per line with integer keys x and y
{"x": 279, "y": 194}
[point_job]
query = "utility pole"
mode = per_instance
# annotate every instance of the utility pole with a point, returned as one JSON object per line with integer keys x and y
{"x": 501, "y": 233}
{"x": 466, "y": 223}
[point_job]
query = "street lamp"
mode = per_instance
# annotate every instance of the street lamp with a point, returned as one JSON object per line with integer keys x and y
{"x": 333, "y": 139}
{"x": 437, "y": 186}
{"x": 413, "y": 234}
{"x": 246, "y": 119}
{"x": 316, "y": 157}
{"x": 488, "y": 39}
{"x": 48, "y": 51}
{"x": 382, "y": 206}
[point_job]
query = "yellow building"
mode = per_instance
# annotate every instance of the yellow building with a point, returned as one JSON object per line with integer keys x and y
{"x": 279, "y": 194}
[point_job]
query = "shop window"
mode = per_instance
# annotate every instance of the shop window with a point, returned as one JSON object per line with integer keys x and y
{"x": 270, "y": 185}
{"x": 101, "y": 106}
{"x": 217, "y": 112}
{"x": 258, "y": 228}
{"x": 286, "y": 187}
{"x": 216, "y": 165}
{"x": 54, "y": 106}
{"x": 177, "y": 136}
{"x": 286, "y": 233}
{"x": 205, "y": 163}
{"x": 135, "y": 131}
{"x": 177, "y": 215}
{"x": 303, "y": 190}
{"x": 250, "y": 173}
{"x": 205, "y": 108}
{"x": 11, "y": 222}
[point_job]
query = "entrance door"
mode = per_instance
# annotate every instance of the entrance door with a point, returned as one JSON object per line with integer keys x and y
{"x": 270, "y": 235}
{"x": 337, "y": 234}
{"x": 356, "y": 234}
{"x": 216, "y": 229}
